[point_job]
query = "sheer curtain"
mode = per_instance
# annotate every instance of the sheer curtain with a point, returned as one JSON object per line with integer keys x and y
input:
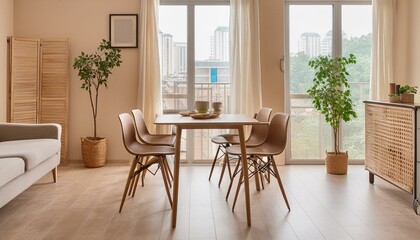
{"x": 245, "y": 56}
{"x": 382, "y": 48}
{"x": 149, "y": 90}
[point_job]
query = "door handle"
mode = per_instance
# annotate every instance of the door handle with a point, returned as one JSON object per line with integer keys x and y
{"x": 282, "y": 64}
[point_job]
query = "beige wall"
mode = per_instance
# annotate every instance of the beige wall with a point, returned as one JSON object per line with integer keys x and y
{"x": 407, "y": 47}
{"x": 272, "y": 50}
{"x": 6, "y": 29}
{"x": 85, "y": 23}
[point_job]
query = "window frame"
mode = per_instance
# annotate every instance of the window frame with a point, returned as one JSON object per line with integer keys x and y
{"x": 336, "y": 51}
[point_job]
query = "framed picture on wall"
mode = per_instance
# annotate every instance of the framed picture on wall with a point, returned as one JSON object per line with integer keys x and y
{"x": 123, "y": 30}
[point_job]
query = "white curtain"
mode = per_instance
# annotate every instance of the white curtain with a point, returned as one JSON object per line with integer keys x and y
{"x": 149, "y": 90}
{"x": 245, "y": 56}
{"x": 382, "y": 48}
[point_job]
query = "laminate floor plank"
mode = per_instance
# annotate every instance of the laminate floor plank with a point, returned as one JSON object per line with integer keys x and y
{"x": 84, "y": 204}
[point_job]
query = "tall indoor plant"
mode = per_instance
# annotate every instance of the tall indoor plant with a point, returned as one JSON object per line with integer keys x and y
{"x": 331, "y": 96}
{"x": 94, "y": 71}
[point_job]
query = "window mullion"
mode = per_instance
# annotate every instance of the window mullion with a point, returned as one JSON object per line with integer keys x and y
{"x": 191, "y": 76}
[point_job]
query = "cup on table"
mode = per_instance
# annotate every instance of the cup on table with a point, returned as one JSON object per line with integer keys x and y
{"x": 202, "y": 106}
{"x": 217, "y": 107}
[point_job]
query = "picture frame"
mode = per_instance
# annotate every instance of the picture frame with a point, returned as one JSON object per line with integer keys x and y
{"x": 123, "y": 30}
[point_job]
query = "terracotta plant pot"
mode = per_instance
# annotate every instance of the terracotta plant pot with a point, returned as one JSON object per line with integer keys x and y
{"x": 407, "y": 98}
{"x": 337, "y": 164}
{"x": 94, "y": 151}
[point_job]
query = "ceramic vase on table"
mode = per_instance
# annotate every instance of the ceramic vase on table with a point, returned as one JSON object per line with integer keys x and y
{"x": 217, "y": 107}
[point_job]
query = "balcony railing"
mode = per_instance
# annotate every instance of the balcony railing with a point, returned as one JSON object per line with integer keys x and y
{"x": 311, "y": 136}
{"x": 175, "y": 95}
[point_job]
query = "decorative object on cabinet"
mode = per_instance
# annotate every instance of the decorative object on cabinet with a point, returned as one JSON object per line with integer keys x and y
{"x": 391, "y": 144}
{"x": 38, "y": 83}
{"x": 407, "y": 93}
{"x": 394, "y": 98}
{"x": 123, "y": 30}
{"x": 331, "y": 96}
{"x": 94, "y": 70}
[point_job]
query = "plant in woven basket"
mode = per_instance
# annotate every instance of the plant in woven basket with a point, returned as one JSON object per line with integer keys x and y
{"x": 94, "y": 70}
{"x": 407, "y": 93}
{"x": 331, "y": 94}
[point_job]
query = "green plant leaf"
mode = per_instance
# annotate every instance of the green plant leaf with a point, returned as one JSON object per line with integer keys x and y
{"x": 330, "y": 90}
{"x": 94, "y": 69}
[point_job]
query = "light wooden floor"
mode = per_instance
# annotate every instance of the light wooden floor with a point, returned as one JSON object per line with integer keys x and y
{"x": 84, "y": 205}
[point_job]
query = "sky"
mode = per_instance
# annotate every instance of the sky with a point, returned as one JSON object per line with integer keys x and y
{"x": 357, "y": 21}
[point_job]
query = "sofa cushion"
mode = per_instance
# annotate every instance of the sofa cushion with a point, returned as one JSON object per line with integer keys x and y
{"x": 10, "y": 168}
{"x": 33, "y": 151}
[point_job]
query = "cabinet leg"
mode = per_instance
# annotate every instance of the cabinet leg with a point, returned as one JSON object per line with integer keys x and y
{"x": 416, "y": 204}
{"x": 371, "y": 178}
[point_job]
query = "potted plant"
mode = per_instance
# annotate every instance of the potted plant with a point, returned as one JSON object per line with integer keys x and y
{"x": 331, "y": 96}
{"x": 94, "y": 71}
{"x": 394, "y": 97}
{"x": 407, "y": 93}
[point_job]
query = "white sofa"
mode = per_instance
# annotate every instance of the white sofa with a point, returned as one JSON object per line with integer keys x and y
{"x": 27, "y": 153}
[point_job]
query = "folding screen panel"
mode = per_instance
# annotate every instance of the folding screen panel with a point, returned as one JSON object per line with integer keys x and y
{"x": 53, "y": 99}
{"x": 24, "y": 84}
{"x": 38, "y": 85}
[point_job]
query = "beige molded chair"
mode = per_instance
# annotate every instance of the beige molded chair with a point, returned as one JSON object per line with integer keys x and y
{"x": 140, "y": 151}
{"x": 273, "y": 145}
{"x": 146, "y": 137}
{"x": 151, "y": 139}
{"x": 256, "y": 137}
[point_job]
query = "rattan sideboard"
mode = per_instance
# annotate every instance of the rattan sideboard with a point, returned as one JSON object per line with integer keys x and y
{"x": 391, "y": 131}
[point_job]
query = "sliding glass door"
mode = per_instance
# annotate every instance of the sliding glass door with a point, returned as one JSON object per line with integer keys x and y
{"x": 335, "y": 28}
{"x": 194, "y": 61}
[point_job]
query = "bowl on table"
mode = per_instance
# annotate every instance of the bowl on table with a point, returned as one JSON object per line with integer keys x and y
{"x": 202, "y": 106}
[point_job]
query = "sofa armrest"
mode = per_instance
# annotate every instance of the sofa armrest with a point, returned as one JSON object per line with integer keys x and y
{"x": 22, "y": 131}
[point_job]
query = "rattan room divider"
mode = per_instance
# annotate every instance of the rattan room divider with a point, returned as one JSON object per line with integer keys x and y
{"x": 39, "y": 83}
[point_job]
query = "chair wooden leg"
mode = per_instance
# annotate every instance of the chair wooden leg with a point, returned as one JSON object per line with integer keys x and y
{"x": 257, "y": 180}
{"x": 134, "y": 180}
{"x": 165, "y": 180}
{"x": 228, "y": 165}
{"x": 262, "y": 179}
{"x": 169, "y": 169}
{"x": 238, "y": 188}
{"x": 267, "y": 173}
{"x": 54, "y": 173}
{"x": 143, "y": 175}
{"x": 223, "y": 170}
{"x": 136, "y": 183}
{"x": 130, "y": 174}
{"x": 279, "y": 182}
{"x": 235, "y": 172}
{"x": 214, "y": 162}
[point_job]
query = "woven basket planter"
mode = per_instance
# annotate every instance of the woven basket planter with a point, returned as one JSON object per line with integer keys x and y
{"x": 407, "y": 98}
{"x": 337, "y": 164}
{"x": 94, "y": 151}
